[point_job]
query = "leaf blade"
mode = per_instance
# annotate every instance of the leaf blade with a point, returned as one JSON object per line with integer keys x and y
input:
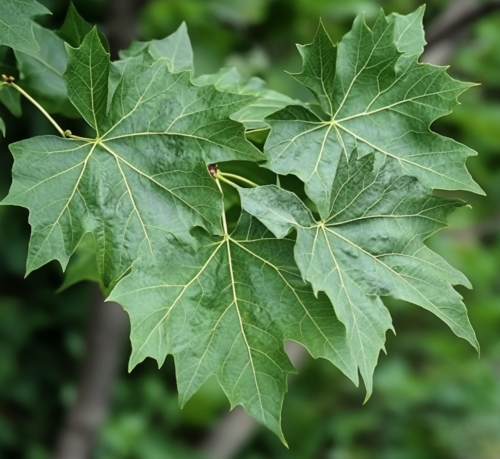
{"x": 218, "y": 311}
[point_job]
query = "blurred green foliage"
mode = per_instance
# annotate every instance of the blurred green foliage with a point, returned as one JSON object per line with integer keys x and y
{"x": 433, "y": 397}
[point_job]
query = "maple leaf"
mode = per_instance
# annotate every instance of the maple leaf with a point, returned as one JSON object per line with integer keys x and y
{"x": 41, "y": 72}
{"x": 375, "y": 96}
{"x": 75, "y": 29}
{"x": 145, "y": 169}
{"x": 16, "y": 25}
{"x": 370, "y": 245}
{"x": 175, "y": 47}
{"x": 225, "y": 310}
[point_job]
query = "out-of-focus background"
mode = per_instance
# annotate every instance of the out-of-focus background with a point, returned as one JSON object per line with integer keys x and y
{"x": 433, "y": 397}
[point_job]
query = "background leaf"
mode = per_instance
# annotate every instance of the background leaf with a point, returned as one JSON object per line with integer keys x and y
{"x": 252, "y": 116}
{"x": 41, "y": 73}
{"x": 8, "y": 95}
{"x": 175, "y": 47}
{"x": 16, "y": 25}
{"x": 75, "y": 29}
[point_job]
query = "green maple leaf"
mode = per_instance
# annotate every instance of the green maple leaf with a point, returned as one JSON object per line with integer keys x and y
{"x": 145, "y": 169}
{"x": 83, "y": 267}
{"x": 175, "y": 47}
{"x": 41, "y": 72}
{"x": 75, "y": 29}
{"x": 16, "y": 25}
{"x": 370, "y": 245}
{"x": 375, "y": 96}
{"x": 225, "y": 310}
{"x": 252, "y": 116}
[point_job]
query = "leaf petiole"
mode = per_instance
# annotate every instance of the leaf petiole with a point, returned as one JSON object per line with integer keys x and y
{"x": 224, "y": 223}
{"x": 237, "y": 177}
{"x": 76, "y": 137}
{"x": 37, "y": 105}
{"x": 220, "y": 177}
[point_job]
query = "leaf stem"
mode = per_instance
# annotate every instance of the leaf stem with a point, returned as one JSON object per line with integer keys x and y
{"x": 224, "y": 223}
{"x": 219, "y": 176}
{"x": 86, "y": 139}
{"x": 37, "y": 105}
{"x": 237, "y": 177}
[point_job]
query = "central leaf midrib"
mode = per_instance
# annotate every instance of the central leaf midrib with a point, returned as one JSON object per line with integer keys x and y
{"x": 249, "y": 350}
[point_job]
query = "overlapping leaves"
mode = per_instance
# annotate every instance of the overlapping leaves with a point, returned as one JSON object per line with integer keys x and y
{"x": 370, "y": 245}
{"x": 252, "y": 116}
{"x": 376, "y": 96}
{"x": 140, "y": 193}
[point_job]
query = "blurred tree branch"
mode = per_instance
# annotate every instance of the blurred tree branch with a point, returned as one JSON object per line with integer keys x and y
{"x": 105, "y": 335}
{"x": 448, "y": 30}
{"x": 121, "y": 26}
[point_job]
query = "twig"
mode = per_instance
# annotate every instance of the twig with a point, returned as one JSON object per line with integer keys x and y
{"x": 37, "y": 105}
{"x": 225, "y": 180}
{"x": 238, "y": 177}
